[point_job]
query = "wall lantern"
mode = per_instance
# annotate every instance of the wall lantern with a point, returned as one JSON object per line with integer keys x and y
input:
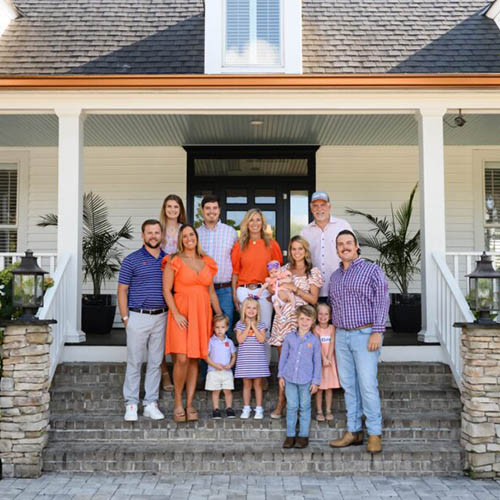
{"x": 484, "y": 289}
{"x": 28, "y": 287}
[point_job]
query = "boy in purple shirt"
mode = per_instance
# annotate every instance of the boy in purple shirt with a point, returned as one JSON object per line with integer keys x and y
{"x": 299, "y": 374}
{"x": 221, "y": 358}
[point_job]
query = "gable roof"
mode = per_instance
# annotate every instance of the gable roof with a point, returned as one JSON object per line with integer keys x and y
{"x": 167, "y": 37}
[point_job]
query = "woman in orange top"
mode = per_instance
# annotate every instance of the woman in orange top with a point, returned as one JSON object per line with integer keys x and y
{"x": 250, "y": 256}
{"x": 189, "y": 273}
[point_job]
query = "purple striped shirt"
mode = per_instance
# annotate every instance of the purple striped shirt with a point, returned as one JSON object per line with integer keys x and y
{"x": 359, "y": 296}
{"x": 218, "y": 243}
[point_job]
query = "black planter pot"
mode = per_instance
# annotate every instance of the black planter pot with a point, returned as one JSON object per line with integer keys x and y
{"x": 405, "y": 312}
{"x": 98, "y": 313}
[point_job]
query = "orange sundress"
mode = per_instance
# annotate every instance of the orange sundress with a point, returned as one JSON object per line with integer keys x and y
{"x": 193, "y": 301}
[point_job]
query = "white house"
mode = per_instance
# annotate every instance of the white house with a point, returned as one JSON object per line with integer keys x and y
{"x": 256, "y": 100}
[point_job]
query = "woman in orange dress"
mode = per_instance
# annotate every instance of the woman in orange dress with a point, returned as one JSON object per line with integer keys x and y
{"x": 189, "y": 292}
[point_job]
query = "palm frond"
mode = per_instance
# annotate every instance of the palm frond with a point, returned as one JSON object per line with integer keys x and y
{"x": 48, "y": 220}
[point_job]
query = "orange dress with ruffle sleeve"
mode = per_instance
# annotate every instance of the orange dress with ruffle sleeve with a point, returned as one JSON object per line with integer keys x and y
{"x": 192, "y": 299}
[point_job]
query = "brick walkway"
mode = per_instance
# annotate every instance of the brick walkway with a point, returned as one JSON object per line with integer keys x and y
{"x": 234, "y": 487}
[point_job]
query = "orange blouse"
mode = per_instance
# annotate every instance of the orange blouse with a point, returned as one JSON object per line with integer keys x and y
{"x": 251, "y": 264}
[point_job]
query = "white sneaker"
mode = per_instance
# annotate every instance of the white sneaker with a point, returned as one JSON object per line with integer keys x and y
{"x": 152, "y": 411}
{"x": 259, "y": 413}
{"x": 131, "y": 413}
{"x": 245, "y": 414}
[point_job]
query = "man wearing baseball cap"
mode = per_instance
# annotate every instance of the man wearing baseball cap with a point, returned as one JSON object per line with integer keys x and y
{"x": 321, "y": 234}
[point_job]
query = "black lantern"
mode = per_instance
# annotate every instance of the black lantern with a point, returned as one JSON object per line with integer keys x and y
{"x": 27, "y": 287}
{"x": 484, "y": 289}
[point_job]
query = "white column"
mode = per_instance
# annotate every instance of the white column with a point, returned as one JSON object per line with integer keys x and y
{"x": 432, "y": 215}
{"x": 69, "y": 230}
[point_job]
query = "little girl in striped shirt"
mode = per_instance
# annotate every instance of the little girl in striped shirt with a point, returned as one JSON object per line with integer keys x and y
{"x": 251, "y": 364}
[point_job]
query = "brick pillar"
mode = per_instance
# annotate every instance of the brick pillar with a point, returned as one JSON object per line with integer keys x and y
{"x": 24, "y": 398}
{"x": 480, "y": 348}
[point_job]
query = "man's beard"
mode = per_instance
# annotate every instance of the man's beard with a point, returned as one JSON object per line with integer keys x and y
{"x": 148, "y": 244}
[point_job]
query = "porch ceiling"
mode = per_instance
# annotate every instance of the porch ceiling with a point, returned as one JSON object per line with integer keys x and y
{"x": 175, "y": 130}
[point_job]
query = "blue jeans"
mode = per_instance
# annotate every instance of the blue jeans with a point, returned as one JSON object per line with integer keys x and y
{"x": 225, "y": 296}
{"x": 357, "y": 368}
{"x": 298, "y": 398}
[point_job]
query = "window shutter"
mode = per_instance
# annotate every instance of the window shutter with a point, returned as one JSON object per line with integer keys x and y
{"x": 253, "y": 33}
{"x": 492, "y": 192}
{"x": 8, "y": 209}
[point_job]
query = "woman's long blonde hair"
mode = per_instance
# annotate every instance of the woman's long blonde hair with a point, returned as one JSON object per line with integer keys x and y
{"x": 244, "y": 234}
{"x": 307, "y": 256}
{"x": 181, "y": 219}
{"x": 180, "y": 246}
{"x": 243, "y": 314}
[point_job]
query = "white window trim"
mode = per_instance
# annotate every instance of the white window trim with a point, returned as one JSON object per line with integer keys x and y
{"x": 493, "y": 12}
{"x": 8, "y": 12}
{"x": 291, "y": 35}
{"x": 479, "y": 159}
{"x": 21, "y": 160}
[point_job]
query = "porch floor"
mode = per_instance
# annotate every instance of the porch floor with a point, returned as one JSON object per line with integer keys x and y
{"x": 117, "y": 338}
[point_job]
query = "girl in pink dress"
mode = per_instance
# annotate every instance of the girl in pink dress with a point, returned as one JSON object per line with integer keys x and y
{"x": 329, "y": 376}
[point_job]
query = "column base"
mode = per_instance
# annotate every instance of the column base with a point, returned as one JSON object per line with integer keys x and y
{"x": 75, "y": 337}
{"x": 427, "y": 337}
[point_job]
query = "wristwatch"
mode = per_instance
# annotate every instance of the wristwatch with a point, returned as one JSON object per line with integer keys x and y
{"x": 125, "y": 318}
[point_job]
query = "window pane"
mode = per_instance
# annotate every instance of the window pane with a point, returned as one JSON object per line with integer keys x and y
{"x": 270, "y": 216}
{"x": 236, "y": 196}
{"x": 265, "y": 196}
{"x": 492, "y": 193}
{"x": 8, "y": 240}
{"x": 253, "y": 33}
{"x": 198, "y": 217}
{"x": 8, "y": 196}
{"x": 234, "y": 218}
{"x": 299, "y": 210}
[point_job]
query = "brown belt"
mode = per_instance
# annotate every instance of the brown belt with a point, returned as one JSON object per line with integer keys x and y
{"x": 362, "y": 327}
{"x": 252, "y": 286}
{"x": 218, "y": 286}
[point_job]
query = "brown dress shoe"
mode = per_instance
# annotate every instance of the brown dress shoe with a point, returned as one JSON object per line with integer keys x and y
{"x": 348, "y": 439}
{"x": 301, "y": 442}
{"x": 374, "y": 444}
{"x": 289, "y": 442}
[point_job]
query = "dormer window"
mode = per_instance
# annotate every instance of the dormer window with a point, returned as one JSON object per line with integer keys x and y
{"x": 253, "y": 36}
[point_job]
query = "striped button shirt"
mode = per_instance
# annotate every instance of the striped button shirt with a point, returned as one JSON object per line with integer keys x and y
{"x": 218, "y": 243}
{"x": 143, "y": 275}
{"x": 359, "y": 296}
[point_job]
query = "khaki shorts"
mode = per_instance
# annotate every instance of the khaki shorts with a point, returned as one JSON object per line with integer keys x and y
{"x": 217, "y": 380}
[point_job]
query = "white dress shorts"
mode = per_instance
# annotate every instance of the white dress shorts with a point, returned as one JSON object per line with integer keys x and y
{"x": 219, "y": 379}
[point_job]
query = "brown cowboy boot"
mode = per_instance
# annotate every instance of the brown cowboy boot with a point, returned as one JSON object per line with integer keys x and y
{"x": 348, "y": 439}
{"x": 301, "y": 442}
{"x": 374, "y": 444}
{"x": 289, "y": 442}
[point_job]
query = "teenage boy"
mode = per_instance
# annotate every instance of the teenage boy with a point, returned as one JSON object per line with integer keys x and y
{"x": 221, "y": 358}
{"x": 299, "y": 374}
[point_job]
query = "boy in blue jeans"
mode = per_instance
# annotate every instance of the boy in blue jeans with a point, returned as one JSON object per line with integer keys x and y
{"x": 299, "y": 373}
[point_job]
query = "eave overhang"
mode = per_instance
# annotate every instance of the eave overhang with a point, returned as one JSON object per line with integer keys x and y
{"x": 166, "y": 82}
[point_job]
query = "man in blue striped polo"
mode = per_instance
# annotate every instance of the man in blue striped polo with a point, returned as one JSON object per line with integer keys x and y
{"x": 144, "y": 314}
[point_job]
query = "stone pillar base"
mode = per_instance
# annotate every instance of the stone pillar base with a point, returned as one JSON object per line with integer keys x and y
{"x": 24, "y": 399}
{"x": 480, "y": 349}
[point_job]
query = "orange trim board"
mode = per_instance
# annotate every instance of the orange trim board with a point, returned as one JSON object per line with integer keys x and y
{"x": 378, "y": 81}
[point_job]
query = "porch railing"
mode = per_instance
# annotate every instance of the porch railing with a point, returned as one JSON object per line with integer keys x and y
{"x": 463, "y": 263}
{"x": 55, "y": 307}
{"x": 47, "y": 261}
{"x": 452, "y": 307}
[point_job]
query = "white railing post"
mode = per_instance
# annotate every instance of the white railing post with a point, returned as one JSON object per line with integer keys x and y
{"x": 432, "y": 215}
{"x": 69, "y": 230}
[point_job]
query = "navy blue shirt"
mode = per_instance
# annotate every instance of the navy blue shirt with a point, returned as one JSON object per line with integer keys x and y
{"x": 143, "y": 275}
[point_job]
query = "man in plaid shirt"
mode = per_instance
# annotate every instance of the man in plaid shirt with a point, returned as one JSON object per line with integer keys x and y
{"x": 359, "y": 297}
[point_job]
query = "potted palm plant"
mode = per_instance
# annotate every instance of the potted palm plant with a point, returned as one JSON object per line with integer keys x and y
{"x": 101, "y": 254}
{"x": 399, "y": 257}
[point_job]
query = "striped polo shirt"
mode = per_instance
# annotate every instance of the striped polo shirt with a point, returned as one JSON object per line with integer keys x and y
{"x": 143, "y": 275}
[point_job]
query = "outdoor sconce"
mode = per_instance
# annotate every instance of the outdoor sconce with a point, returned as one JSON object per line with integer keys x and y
{"x": 484, "y": 289}
{"x": 27, "y": 287}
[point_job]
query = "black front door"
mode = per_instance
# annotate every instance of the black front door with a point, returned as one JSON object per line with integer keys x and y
{"x": 279, "y": 181}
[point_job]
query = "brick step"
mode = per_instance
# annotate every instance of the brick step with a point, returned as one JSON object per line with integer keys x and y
{"x": 86, "y": 374}
{"x": 401, "y": 458}
{"x": 67, "y": 399}
{"x": 426, "y": 427}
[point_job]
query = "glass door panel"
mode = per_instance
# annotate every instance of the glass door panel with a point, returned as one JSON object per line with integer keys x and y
{"x": 198, "y": 218}
{"x": 270, "y": 228}
{"x": 234, "y": 218}
{"x": 299, "y": 211}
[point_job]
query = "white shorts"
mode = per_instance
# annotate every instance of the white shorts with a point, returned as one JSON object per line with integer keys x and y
{"x": 219, "y": 379}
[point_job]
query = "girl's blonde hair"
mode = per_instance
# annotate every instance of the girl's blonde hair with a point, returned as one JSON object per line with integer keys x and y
{"x": 180, "y": 246}
{"x": 329, "y": 309}
{"x": 244, "y": 306}
{"x": 244, "y": 234}
{"x": 307, "y": 256}
{"x": 181, "y": 219}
